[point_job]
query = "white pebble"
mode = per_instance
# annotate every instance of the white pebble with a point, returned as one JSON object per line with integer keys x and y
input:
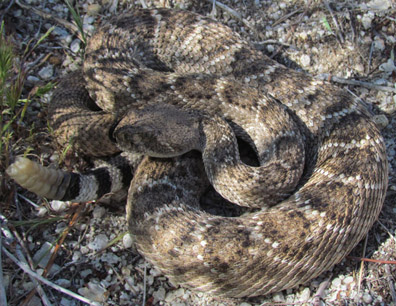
{"x": 127, "y": 241}
{"x": 94, "y": 292}
{"x": 336, "y": 282}
{"x": 305, "y": 60}
{"x": 32, "y": 79}
{"x": 59, "y": 206}
{"x": 66, "y": 302}
{"x": 99, "y": 243}
{"x": 85, "y": 273}
{"x": 278, "y": 297}
{"x": 63, "y": 282}
{"x": 46, "y": 72}
{"x": 367, "y": 298}
{"x": 367, "y": 19}
{"x": 159, "y": 295}
{"x": 305, "y": 294}
{"x": 388, "y": 66}
{"x": 75, "y": 45}
{"x": 348, "y": 280}
{"x": 98, "y": 212}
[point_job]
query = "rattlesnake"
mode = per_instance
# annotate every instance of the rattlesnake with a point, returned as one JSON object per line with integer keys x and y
{"x": 166, "y": 82}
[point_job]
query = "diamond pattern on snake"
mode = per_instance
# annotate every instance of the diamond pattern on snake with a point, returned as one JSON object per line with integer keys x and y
{"x": 161, "y": 85}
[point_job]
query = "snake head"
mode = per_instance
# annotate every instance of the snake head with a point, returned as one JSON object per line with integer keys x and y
{"x": 158, "y": 131}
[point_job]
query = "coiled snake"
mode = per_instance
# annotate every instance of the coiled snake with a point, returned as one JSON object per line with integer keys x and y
{"x": 162, "y": 83}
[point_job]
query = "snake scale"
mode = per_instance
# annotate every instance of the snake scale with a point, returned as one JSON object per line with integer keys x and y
{"x": 163, "y": 84}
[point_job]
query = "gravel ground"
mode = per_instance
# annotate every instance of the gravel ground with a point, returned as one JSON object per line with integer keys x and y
{"x": 351, "y": 43}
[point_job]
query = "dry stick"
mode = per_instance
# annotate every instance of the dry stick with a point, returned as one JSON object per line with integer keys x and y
{"x": 329, "y": 77}
{"x": 3, "y": 297}
{"x": 144, "y": 283}
{"x": 29, "y": 261}
{"x": 233, "y": 13}
{"x": 51, "y": 261}
{"x": 390, "y": 283}
{"x": 321, "y": 290}
{"x": 380, "y": 261}
{"x": 27, "y": 270}
{"x": 6, "y": 10}
{"x": 287, "y": 16}
{"x": 362, "y": 264}
{"x": 335, "y": 22}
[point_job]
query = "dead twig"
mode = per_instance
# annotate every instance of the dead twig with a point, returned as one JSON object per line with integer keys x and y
{"x": 10, "y": 232}
{"x": 3, "y": 297}
{"x": 390, "y": 283}
{"x": 361, "y": 270}
{"x": 233, "y": 13}
{"x": 38, "y": 277}
{"x": 380, "y": 261}
{"x": 74, "y": 219}
{"x": 331, "y": 78}
{"x": 338, "y": 29}
{"x": 6, "y": 10}
{"x": 321, "y": 291}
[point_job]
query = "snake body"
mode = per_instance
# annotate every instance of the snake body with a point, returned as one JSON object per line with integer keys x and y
{"x": 164, "y": 82}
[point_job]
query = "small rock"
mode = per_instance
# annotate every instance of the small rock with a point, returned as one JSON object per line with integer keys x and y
{"x": 367, "y": 298}
{"x": 85, "y": 273}
{"x": 98, "y": 212}
{"x": 305, "y": 60}
{"x": 388, "y": 66}
{"x": 99, "y": 243}
{"x": 305, "y": 294}
{"x": 60, "y": 227}
{"x": 381, "y": 121}
{"x": 42, "y": 211}
{"x": 65, "y": 283}
{"x": 159, "y": 295}
{"x": 66, "y": 302}
{"x": 110, "y": 258}
{"x": 172, "y": 295}
{"x": 348, "y": 280}
{"x": 32, "y": 79}
{"x": 94, "y": 292}
{"x": 127, "y": 241}
{"x": 17, "y": 13}
{"x": 278, "y": 297}
{"x": 75, "y": 46}
{"x": 379, "y": 43}
{"x": 46, "y": 72}
{"x": 336, "y": 282}
{"x": 59, "y": 206}
{"x": 93, "y": 9}
{"x": 43, "y": 255}
{"x": 245, "y": 304}
{"x": 367, "y": 19}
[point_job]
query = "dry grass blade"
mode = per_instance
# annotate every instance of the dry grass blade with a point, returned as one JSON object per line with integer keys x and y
{"x": 79, "y": 208}
{"x": 27, "y": 270}
{"x": 3, "y": 296}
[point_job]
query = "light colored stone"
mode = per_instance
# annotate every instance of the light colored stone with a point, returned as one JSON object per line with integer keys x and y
{"x": 46, "y": 72}
{"x": 99, "y": 243}
{"x": 98, "y": 212}
{"x": 305, "y": 60}
{"x": 381, "y": 121}
{"x": 75, "y": 45}
{"x": 367, "y": 298}
{"x": 348, "y": 280}
{"x": 159, "y": 295}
